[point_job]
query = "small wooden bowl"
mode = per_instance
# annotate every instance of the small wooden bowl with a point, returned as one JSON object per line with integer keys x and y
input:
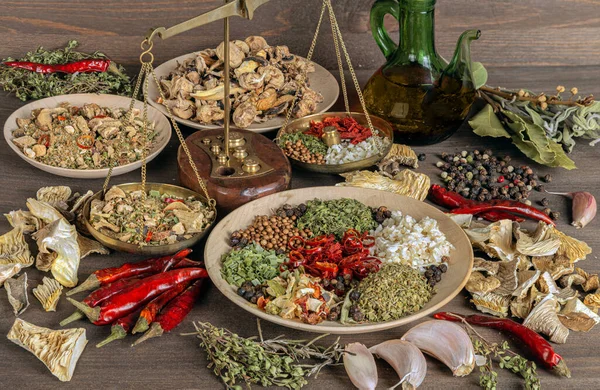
{"x": 303, "y": 124}
{"x": 148, "y": 250}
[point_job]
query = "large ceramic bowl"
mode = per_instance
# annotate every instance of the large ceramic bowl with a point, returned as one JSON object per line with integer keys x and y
{"x": 321, "y": 80}
{"x": 162, "y": 126}
{"x": 460, "y": 263}
{"x": 303, "y": 124}
{"x": 149, "y": 250}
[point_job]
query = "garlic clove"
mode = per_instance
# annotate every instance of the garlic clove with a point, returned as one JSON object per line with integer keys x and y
{"x": 360, "y": 366}
{"x": 406, "y": 359}
{"x": 445, "y": 341}
{"x": 584, "y": 209}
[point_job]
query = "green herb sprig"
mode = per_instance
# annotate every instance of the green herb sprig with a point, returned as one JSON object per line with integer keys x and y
{"x": 28, "y": 85}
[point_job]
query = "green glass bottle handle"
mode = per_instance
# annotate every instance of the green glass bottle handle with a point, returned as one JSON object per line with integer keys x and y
{"x": 378, "y": 11}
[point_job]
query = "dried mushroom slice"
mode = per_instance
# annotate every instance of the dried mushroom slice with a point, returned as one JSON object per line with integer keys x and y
{"x": 546, "y": 284}
{"x": 542, "y": 242}
{"x": 16, "y": 290}
{"x": 59, "y": 350}
{"x": 593, "y": 300}
{"x": 398, "y": 155}
{"x": 43, "y": 211}
{"x": 557, "y": 266}
{"x": 507, "y": 274}
{"x": 61, "y": 238}
{"x": 81, "y": 201}
{"x": 14, "y": 249}
{"x": 8, "y": 271}
{"x": 23, "y": 220}
{"x": 521, "y": 306}
{"x": 193, "y": 221}
{"x": 492, "y": 303}
{"x": 577, "y": 316}
{"x": 48, "y": 293}
{"x": 462, "y": 220}
{"x": 480, "y": 284}
{"x": 482, "y": 265}
{"x": 407, "y": 182}
{"x": 544, "y": 319}
{"x": 572, "y": 280}
{"x": 55, "y": 196}
{"x": 526, "y": 280}
{"x": 571, "y": 248}
{"x": 590, "y": 281}
{"x": 496, "y": 239}
{"x": 88, "y": 246}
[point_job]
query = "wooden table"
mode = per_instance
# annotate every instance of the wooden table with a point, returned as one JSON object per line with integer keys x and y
{"x": 519, "y": 48}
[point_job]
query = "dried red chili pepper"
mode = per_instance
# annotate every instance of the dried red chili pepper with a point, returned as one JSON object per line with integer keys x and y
{"x": 109, "y": 275}
{"x": 149, "y": 312}
{"x": 173, "y": 313}
{"x": 171, "y": 200}
{"x": 85, "y": 141}
{"x": 130, "y": 299}
{"x": 538, "y": 345}
{"x": 452, "y": 200}
{"x": 120, "y": 328}
{"x": 44, "y": 140}
{"x": 82, "y": 66}
{"x": 511, "y": 206}
{"x": 103, "y": 293}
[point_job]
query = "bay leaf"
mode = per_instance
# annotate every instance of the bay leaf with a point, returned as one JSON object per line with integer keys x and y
{"x": 486, "y": 124}
{"x": 561, "y": 159}
{"x": 529, "y": 138}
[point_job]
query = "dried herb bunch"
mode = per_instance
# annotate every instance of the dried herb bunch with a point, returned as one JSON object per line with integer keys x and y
{"x": 272, "y": 362}
{"x": 543, "y": 126}
{"x": 26, "y": 84}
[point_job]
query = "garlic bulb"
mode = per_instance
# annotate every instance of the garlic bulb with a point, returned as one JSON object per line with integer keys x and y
{"x": 59, "y": 350}
{"x": 406, "y": 359}
{"x": 360, "y": 366}
{"x": 445, "y": 341}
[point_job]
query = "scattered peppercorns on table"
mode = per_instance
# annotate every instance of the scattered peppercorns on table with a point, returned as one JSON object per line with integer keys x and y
{"x": 299, "y": 151}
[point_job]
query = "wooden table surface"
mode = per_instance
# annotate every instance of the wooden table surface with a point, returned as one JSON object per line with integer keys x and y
{"x": 519, "y": 50}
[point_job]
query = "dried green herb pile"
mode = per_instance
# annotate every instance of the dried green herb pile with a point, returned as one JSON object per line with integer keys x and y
{"x": 312, "y": 143}
{"x": 27, "y": 85}
{"x": 252, "y": 264}
{"x": 336, "y": 217}
{"x": 275, "y": 362}
{"x": 394, "y": 292}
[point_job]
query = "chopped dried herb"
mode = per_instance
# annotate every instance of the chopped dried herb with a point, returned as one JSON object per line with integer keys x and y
{"x": 26, "y": 84}
{"x": 252, "y": 264}
{"x": 336, "y": 217}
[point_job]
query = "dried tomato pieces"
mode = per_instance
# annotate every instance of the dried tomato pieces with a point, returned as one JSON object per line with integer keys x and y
{"x": 348, "y": 128}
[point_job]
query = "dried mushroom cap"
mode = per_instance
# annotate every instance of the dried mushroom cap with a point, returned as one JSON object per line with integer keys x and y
{"x": 114, "y": 193}
{"x": 592, "y": 300}
{"x": 61, "y": 237}
{"x": 521, "y": 306}
{"x": 571, "y": 248}
{"x": 56, "y": 196}
{"x": 544, "y": 319}
{"x": 507, "y": 274}
{"x": 16, "y": 290}
{"x": 577, "y": 316}
{"x": 43, "y": 211}
{"x": 44, "y": 261}
{"x": 23, "y": 220}
{"x": 590, "y": 280}
{"x": 546, "y": 284}
{"x": 572, "y": 280}
{"x": 542, "y": 242}
{"x": 480, "y": 284}
{"x": 59, "y": 350}
{"x": 14, "y": 249}
{"x": 88, "y": 246}
{"x": 81, "y": 201}
{"x": 556, "y": 265}
{"x": 8, "y": 271}
{"x": 481, "y": 264}
{"x": 256, "y": 43}
{"x": 492, "y": 303}
{"x": 401, "y": 155}
{"x": 407, "y": 183}
{"x": 526, "y": 280}
{"x": 236, "y": 55}
{"x": 496, "y": 239}
{"x": 462, "y": 220}
{"x": 48, "y": 293}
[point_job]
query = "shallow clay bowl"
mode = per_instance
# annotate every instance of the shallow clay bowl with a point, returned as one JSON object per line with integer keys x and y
{"x": 460, "y": 263}
{"x": 162, "y": 126}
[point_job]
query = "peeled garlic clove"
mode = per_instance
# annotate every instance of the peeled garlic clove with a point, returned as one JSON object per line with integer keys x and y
{"x": 406, "y": 359}
{"x": 360, "y": 366}
{"x": 445, "y": 341}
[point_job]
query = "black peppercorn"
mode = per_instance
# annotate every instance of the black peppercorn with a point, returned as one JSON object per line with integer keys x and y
{"x": 540, "y": 188}
{"x": 548, "y": 178}
{"x": 422, "y": 156}
{"x": 358, "y": 316}
{"x": 545, "y": 202}
{"x": 555, "y": 215}
{"x": 354, "y": 295}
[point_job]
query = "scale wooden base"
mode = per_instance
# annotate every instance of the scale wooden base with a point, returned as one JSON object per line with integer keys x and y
{"x": 257, "y": 167}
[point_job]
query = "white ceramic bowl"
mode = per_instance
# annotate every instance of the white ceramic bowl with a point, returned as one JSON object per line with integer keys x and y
{"x": 321, "y": 80}
{"x": 162, "y": 126}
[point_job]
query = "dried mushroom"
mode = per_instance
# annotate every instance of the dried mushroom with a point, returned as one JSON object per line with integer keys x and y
{"x": 48, "y": 293}
{"x": 43, "y": 211}
{"x": 55, "y": 196}
{"x": 16, "y": 290}
{"x": 521, "y": 306}
{"x": 61, "y": 238}
{"x": 572, "y": 280}
{"x": 398, "y": 155}
{"x": 544, "y": 319}
{"x": 507, "y": 275}
{"x": 571, "y": 248}
{"x": 590, "y": 281}
{"x": 590, "y": 300}
{"x": 557, "y": 266}
{"x": 14, "y": 249}
{"x": 495, "y": 239}
{"x": 492, "y": 303}
{"x": 23, "y": 220}
{"x": 482, "y": 265}
{"x": 88, "y": 246}
{"x": 546, "y": 284}
{"x": 8, "y": 271}
{"x": 542, "y": 242}
{"x": 407, "y": 182}
{"x": 59, "y": 350}
{"x": 576, "y": 316}
{"x": 480, "y": 284}
{"x": 526, "y": 280}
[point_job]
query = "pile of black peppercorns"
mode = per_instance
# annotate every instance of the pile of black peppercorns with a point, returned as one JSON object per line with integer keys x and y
{"x": 380, "y": 214}
{"x": 433, "y": 273}
{"x": 481, "y": 176}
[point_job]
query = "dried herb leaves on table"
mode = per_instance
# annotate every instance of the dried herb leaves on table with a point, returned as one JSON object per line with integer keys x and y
{"x": 27, "y": 84}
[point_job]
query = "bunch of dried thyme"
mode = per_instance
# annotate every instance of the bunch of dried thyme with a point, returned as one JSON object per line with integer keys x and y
{"x": 273, "y": 362}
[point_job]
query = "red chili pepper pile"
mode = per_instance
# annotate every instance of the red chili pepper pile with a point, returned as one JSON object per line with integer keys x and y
{"x": 133, "y": 289}
{"x": 493, "y": 210}
{"x": 326, "y": 258}
{"x": 348, "y": 128}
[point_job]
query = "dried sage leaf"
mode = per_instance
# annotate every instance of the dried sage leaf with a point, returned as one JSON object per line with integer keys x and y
{"x": 16, "y": 290}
